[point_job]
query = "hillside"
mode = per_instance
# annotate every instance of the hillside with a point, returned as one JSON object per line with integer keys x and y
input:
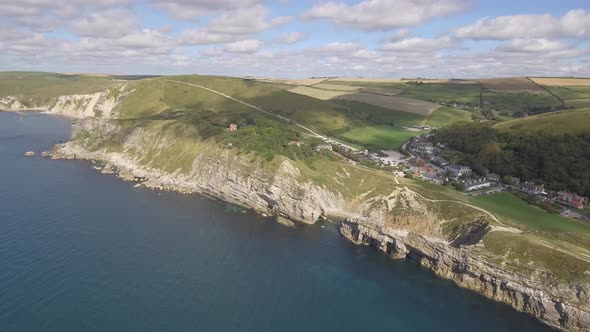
{"x": 563, "y": 122}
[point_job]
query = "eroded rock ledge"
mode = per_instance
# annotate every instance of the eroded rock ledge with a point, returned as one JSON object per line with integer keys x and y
{"x": 472, "y": 272}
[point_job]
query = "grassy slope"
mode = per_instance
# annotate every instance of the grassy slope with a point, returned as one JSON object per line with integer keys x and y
{"x": 570, "y": 92}
{"x": 520, "y": 213}
{"x": 40, "y": 87}
{"x": 562, "y": 122}
{"x": 459, "y": 93}
{"x": 386, "y": 137}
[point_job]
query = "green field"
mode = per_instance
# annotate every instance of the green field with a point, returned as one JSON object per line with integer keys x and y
{"x": 570, "y": 92}
{"x": 447, "y": 92}
{"x": 445, "y": 116}
{"x": 384, "y": 85}
{"x": 510, "y": 208}
{"x": 562, "y": 122}
{"x": 514, "y": 102}
{"x": 578, "y": 103}
{"x": 384, "y": 137}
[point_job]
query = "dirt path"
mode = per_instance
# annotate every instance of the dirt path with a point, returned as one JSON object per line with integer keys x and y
{"x": 314, "y": 133}
{"x": 458, "y": 202}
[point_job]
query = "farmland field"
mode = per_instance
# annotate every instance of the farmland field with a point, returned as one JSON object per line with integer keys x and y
{"x": 510, "y": 84}
{"x": 560, "y": 81}
{"x": 384, "y": 137}
{"x": 514, "y": 210}
{"x": 384, "y": 85}
{"x": 520, "y": 101}
{"x": 562, "y": 122}
{"x": 336, "y": 87}
{"x": 318, "y": 93}
{"x": 452, "y": 93}
{"x": 393, "y": 103}
{"x": 365, "y": 79}
{"x": 578, "y": 103}
{"x": 445, "y": 116}
{"x": 570, "y": 92}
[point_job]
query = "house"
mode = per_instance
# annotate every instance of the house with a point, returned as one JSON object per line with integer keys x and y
{"x": 514, "y": 181}
{"x": 424, "y": 147}
{"x": 233, "y": 127}
{"x": 295, "y": 143}
{"x": 440, "y": 161}
{"x": 324, "y": 147}
{"x": 417, "y": 162}
{"x": 531, "y": 188}
{"x": 433, "y": 178}
{"x": 476, "y": 184}
{"x": 493, "y": 177}
{"x": 572, "y": 199}
{"x": 459, "y": 170}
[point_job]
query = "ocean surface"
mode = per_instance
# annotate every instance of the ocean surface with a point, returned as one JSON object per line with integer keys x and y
{"x": 82, "y": 251}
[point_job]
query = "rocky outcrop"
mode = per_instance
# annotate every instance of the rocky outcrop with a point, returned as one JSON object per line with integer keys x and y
{"x": 223, "y": 176}
{"x": 564, "y": 307}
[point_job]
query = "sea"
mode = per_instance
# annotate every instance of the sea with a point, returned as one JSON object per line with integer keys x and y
{"x": 83, "y": 251}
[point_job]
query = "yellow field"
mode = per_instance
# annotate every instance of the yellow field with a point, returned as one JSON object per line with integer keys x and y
{"x": 318, "y": 93}
{"x": 395, "y": 103}
{"x": 301, "y": 82}
{"x": 383, "y": 91}
{"x": 337, "y": 87}
{"x": 560, "y": 81}
{"x": 367, "y": 79}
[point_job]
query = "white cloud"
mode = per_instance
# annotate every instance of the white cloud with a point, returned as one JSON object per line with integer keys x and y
{"x": 232, "y": 25}
{"x": 243, "y": 46}
{"x": 385, "y": 14}
{"x": 192, "y": 9}
{"x": 575, "y": 23}
{"x": 420, "y": 44}
{"x": 203, "y": 37}
{"x": 532, "y": 45}
{"x": 336, "y": 49}
{"x": 244, "y": 21}
{"x": 292, "y": 37}
{"x": 111, "y": 23}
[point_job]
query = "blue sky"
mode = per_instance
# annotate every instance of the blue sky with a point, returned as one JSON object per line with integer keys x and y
{"x": 289, "y": 38}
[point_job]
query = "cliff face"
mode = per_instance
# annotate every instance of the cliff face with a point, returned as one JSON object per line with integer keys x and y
{"x": 548, "y": 303}
{"x": 160, "y": 160}
{"x": 99, "y": 104}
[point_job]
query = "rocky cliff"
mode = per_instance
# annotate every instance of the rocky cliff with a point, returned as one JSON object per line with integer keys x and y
{"x": 564, "y": 307}
{"x": 98, "y": 104}
{"x": 400, "y": 222}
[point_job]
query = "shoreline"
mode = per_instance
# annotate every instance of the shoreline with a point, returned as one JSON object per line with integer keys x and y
{"x": 474, "y": 274}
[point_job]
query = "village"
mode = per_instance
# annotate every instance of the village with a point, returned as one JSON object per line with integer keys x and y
{"x": 426, "y": 162}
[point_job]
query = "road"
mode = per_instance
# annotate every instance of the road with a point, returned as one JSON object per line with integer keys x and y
{"x": 309, "y": 130}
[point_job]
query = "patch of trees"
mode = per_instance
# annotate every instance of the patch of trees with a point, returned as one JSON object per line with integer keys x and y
{"x": 561, "y": 162}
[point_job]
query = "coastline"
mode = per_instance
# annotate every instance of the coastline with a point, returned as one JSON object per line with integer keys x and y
{"x": 459, "y": 265}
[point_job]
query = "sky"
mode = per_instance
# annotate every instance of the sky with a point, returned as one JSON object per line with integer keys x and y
{"x": 298, "y": 39}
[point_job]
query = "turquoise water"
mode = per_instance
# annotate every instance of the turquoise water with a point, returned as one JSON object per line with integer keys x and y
{"x": 82, "y": 251}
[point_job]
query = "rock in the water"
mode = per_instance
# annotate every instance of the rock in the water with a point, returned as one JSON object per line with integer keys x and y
{"x": 30, "y": 154}
{"x": 284, "y": 221}
{"x": 45, "y": 154}
{"x": 108, "y": 169}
